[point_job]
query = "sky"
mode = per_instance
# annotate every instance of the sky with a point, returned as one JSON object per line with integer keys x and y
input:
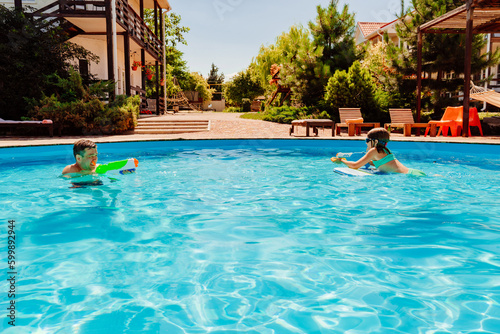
{"x": 229, "y": 33}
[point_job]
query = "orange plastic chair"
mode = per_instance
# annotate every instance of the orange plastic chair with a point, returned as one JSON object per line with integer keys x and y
{"x": 474, "y": 120}
{"x": 448, "y": 121}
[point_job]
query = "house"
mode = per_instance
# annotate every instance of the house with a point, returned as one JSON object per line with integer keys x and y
{"x": 492, "y": 44}
{"x": 365, "y": 29}
{"x": 374, "y": 32}
{"x": 115, "y": 31}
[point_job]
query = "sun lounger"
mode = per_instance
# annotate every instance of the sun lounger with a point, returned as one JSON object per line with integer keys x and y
{"x": 403, "y": 118}
{"x": 48, "y": 124}
{"x": 351, "y": 119}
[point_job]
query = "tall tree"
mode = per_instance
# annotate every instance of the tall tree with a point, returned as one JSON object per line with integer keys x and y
{"x": 176, "y": 66}
{"x": 353, "y": 88}
{"x": 334, "y": 31}
{"x": 302, "y": 69}
{"x": 441, "y": 53}
{"x": 174, "y": 35}
{"x": 216, "y": 80}
{"x": 244, "y": 85}
{"x": 309, "y": 56}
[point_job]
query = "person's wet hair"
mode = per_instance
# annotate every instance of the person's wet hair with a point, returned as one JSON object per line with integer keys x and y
{"x": 382, "y": 136}
{"x": 82, "y": 144}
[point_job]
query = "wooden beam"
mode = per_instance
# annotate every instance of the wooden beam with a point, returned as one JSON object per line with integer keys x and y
{"x": 156, "y": 18}
{"x": 109, "y": 41}
{"x": 443, "y": 18}
{"x": 143, "y": 72}
{"x": 126, "y": 46}
{"x": 467, "y": 70}
{"x": 157, "y": 84}
{"x": 162, "y": 35}
{"x": 419, "y": 73}
{"x": 486, "y": 25}
{"x": 445, "y": 31}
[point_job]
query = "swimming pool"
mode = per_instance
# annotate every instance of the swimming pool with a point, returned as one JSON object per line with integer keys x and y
{"x": 259, "y": 236}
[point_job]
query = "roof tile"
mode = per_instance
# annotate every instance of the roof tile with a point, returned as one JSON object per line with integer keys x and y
{"x": 368, "y": 27}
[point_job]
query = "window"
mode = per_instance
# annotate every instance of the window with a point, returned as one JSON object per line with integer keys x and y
{"x": 83, "y": 66}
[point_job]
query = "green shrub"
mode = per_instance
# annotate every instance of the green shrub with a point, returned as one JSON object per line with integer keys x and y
{"x": 79, "y": 110}
{"x": 353, "y": 89}
{"x": 243, "y": 85}
{"x": 287, "y": 114}
{"x": 122, "y": 113}
{"x": 233, "y": 109}
{"x": 31, "y": 49}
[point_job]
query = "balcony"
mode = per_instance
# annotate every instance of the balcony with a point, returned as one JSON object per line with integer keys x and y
{"x": 90, "y": 16}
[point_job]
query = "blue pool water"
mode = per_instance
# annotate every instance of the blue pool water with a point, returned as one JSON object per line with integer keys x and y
{"x": 227, "y": 236}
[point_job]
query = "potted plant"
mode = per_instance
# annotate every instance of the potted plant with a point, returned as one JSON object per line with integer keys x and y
{"x": 135, "y": 65}
{"x": 149, "y": 74}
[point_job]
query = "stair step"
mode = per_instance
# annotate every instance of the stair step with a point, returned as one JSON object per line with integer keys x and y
{"x": 172, "y": 123}
{"x": 186, "y": 127}
{"x": 171, "y": 126}
{"x": 166, "y": 131}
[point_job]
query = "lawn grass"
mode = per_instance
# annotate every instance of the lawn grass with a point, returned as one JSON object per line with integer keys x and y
{"x": 487, "y": 114}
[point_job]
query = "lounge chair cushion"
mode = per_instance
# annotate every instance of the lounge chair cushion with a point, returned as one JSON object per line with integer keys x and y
{"x": 356, "y": 120}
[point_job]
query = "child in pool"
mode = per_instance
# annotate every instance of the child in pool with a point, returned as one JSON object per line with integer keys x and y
{"x": 379, "y": 155}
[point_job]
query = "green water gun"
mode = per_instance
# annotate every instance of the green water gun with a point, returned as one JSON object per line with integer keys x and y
{"x": 122, "y": 166}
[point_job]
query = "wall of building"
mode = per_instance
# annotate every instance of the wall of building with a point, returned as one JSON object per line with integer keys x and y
{"x": 31, "y": 3}
{"x": 97, "y": 45}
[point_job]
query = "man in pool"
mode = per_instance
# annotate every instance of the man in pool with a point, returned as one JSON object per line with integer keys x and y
{"x": 85, "y": 152}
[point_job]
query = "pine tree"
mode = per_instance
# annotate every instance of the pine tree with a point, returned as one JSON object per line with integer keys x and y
{"x": 301, "y": 67}
{"x": 334, "y": 31}
{"x": 215, "y": 80}
{"x": 353, "y": 88}
{"x": 309, "y": 57}
{"x": 303, "y": 70}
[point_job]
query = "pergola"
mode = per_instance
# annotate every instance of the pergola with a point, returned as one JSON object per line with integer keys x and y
{"x": 474, "y": 17}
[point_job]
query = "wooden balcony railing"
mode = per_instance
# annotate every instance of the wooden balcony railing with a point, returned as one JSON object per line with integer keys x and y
{"x": 125, "y": 16}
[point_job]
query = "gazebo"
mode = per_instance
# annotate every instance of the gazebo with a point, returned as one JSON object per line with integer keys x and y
{"x": 474, "y": 17}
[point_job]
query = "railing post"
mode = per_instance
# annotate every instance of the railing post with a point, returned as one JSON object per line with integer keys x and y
{"x": 109, "y": 43}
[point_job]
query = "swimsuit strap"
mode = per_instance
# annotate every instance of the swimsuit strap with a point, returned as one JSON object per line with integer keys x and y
{"x": 384, "y": 160}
